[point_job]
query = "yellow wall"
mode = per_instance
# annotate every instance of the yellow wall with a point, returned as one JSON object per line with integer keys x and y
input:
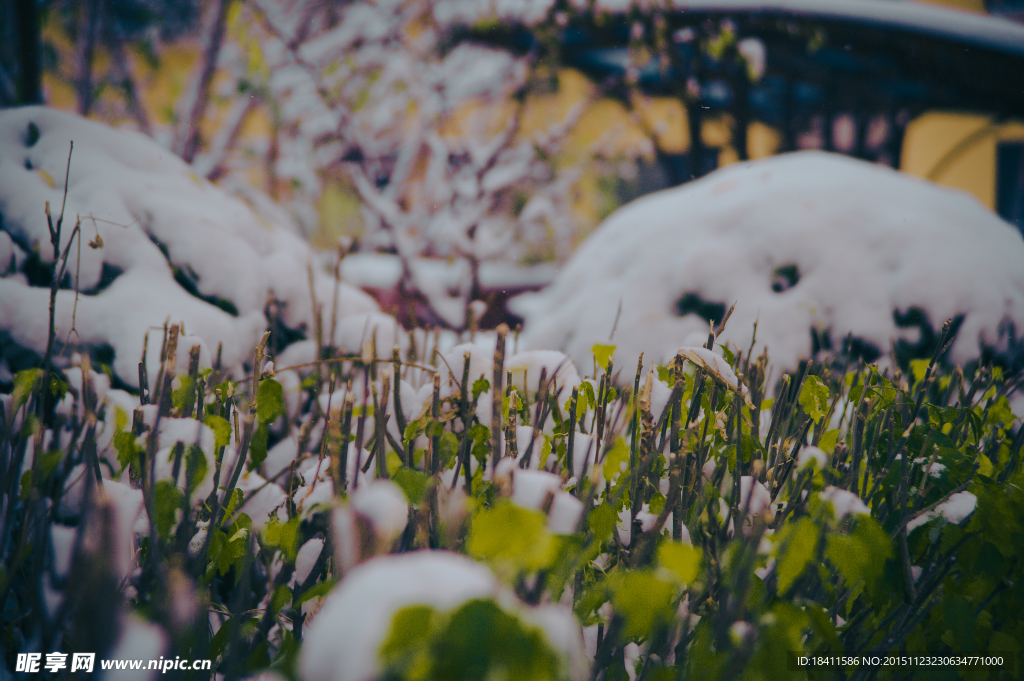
{"x": 957, "y": 150}
{"x": 971, "y": 5}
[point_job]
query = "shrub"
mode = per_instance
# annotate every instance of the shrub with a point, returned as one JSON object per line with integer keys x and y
{"x": 700, "y": 524}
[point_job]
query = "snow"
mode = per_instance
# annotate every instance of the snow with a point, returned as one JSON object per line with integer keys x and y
{"x": 385, "y": 505}
{"x": 139, "y": 640}
{"x": 63, "y": 539}
{"x": 306, "y": 559}
{"x": 342, "y": 641}
{"x": 813, "y": 456}
{"x": 526, "y": 368}
{"x": 845, "y": 225}
{"x": 128, "y": 514}
{"x": 473, "y": 11}
{"x": 844, "y": 502}
{"x": 955, "y": 510}
{"x": 152, "y": 214}
{"x": 533, "y": 489}
{"x": 481, "y": 365}
{"x": 714, "y": 363}
{"x": 262, "y": 499}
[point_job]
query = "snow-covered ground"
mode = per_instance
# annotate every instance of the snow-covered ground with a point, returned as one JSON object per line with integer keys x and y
{"x": 800, "y": 242}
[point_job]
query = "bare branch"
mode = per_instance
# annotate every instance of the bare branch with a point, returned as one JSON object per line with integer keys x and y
{"x": 187, "y": 141}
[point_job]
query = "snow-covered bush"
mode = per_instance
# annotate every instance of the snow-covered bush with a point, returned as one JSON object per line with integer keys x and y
{"x": 688, "y": 526}
{"x": 161, "y": 244}
{"x": 825, "y": 253}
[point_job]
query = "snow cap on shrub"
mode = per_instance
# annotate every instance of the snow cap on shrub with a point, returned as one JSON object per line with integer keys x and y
{"x": 169, "y": 245}
{"x": 559, "y": 371}
{"x": 844, "y": 502}
{"x": 345, "y": 640}
{"x": 802, "y": 241}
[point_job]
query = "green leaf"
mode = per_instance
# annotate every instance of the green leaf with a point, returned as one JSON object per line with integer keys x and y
{"x": 799, "y": 546}
{"x": 602, "y": 521}
{"x": 410, "y": 627}
{"x": 587, "y": 398}
{"x": 221, "y": 428}
{"x": 48, "y": 462}
{"x": 318, "y": 590}
{"x": 919, "y": 367}
{"x": 167, "y": 502}
{"x": 1000, "y": 412}
{"x": 644, "y": 600}
{"x": 258, "y": 446}
{"x": 814, "y": 397}
{"x": 616, "y": 457}
{"x": 58, "y": 388}
{"x": 514, "y": 536}
{"x": 681, "y": 560}
{"x": 478, "y": 640}
{"x": 234, "y": 501}
{"x": 413, "y": 482}
{"x": 959, "y": 617}
{"x": 195, "y": 468}
{"x": 24, "y": 381}
{"x": 269, "y": 401}
{"x": 26, "y": 485}
{"x": 828, "y": 440}
{"x": 416, "y": 427}
{"x": 181, "y": 396}
{"x": 283, "y": 535}
{"x": 481, "y": 436}
{"x": 282, "y": 597}
{"x": 480, "y": 386}
{"x": 449, "y": 449}
{"x": 243, "y": 522}
{"x": 127, "y": 448}
{"x": 220, "y": 640}
{"x": 602, "y": 354}
{"x": 233, "y": 554}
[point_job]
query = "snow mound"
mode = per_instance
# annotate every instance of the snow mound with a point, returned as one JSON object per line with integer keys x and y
{"x": 807, "y": 242}
{"x": 343, "y": 641}
{"x": 160, "y": 242}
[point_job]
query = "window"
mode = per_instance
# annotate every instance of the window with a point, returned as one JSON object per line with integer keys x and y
{"x": 1010, "y": 182}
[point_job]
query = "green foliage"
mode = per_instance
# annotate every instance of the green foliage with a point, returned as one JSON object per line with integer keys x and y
{"x": 167, "y": 503}
{"x": 221, "y": 429}
{"x": 258, "y": 445}
{"x": 475, "y": 642}
{"x": 24, "y": 382}
{"x": 616, "y": 458}
{"x": 799, "y": 547}
{"x": 511, "y": 537}
{"x": 644, "y": 600}
{"x": 413, "y": 482}
{"x": 284, "y": 535}
{"x": 480, "y": 386}
{"x": 746, "y": 590}
{"x": 269, "y": 401}
{"x": 814, "y": 397}
{"x": 602, "y": 354}
{"x": 681, "y": 560}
